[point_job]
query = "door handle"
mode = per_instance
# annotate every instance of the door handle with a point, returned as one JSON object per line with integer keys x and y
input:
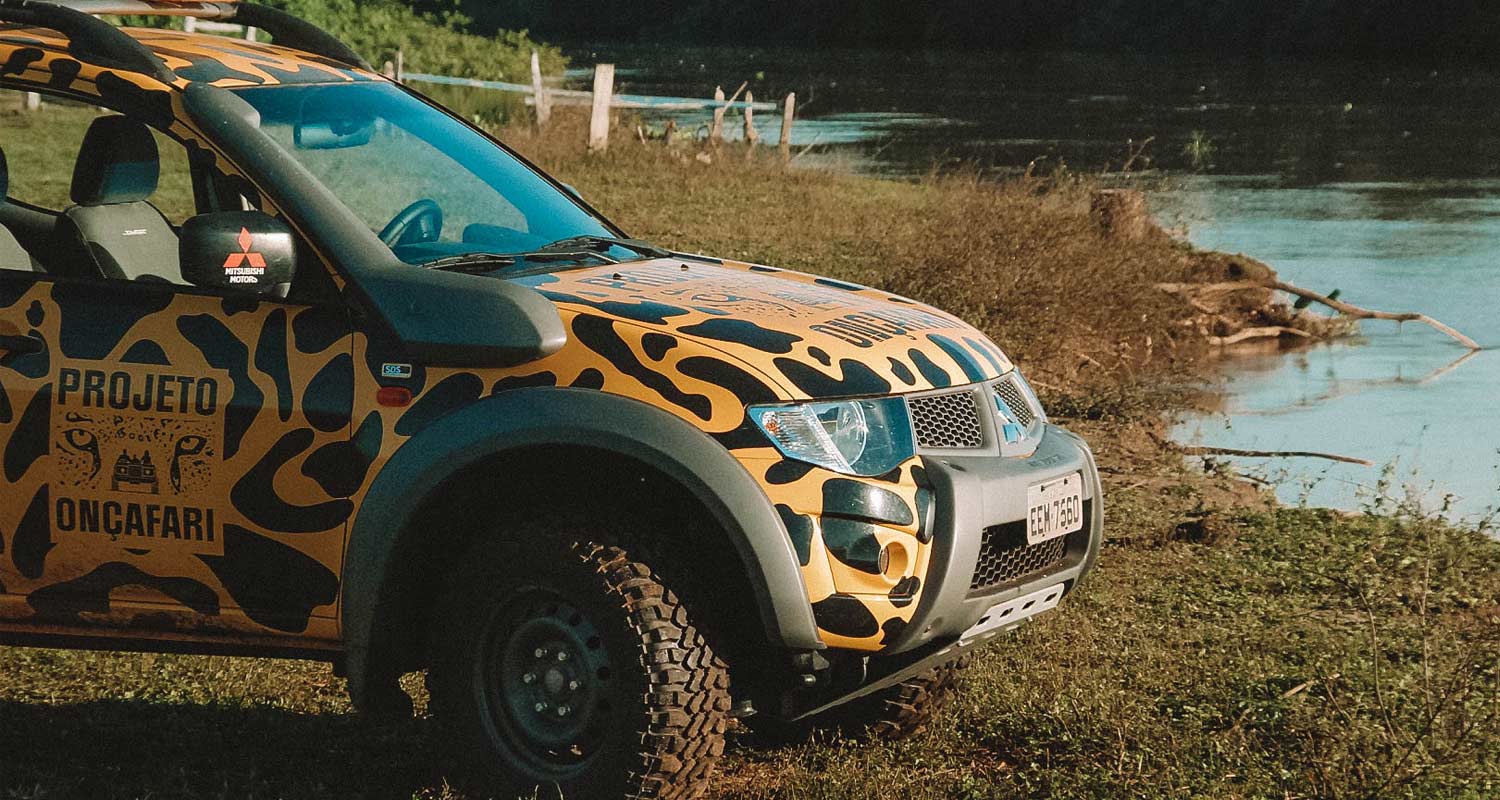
{"x": 21, "y": 345}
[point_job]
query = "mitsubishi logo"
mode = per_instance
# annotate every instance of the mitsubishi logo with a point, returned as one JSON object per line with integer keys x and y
{"x": 245, "y": 266}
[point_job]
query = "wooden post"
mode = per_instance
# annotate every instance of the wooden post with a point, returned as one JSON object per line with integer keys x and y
{"x": 716, "y": 133}
{"x": 190, "y": 24}
{"x": 788, "y": 113}
{"x": 604, "y": 93}
{"x": 539, "y": 92}
{"x": 752, "y": 136}
{"x": 32, "y": 101}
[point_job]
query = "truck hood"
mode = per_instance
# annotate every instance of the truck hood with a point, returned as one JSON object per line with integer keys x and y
{"x": 817, "y": 338}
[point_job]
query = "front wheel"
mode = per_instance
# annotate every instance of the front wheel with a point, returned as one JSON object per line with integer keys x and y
{"x": 570, "y": 670}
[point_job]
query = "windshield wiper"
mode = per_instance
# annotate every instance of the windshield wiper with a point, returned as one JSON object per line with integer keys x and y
{"x": 473, "y": 262}
{"x": 593, "y": 243}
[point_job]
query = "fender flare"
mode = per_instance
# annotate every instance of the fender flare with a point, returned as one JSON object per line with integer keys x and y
{"x": 558, "y": 416}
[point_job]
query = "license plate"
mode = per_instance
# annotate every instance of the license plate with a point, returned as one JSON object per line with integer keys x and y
{"x": 1054, "y": 508}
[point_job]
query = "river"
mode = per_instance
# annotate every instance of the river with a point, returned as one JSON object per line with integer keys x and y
{"x": 1381, "y": 181}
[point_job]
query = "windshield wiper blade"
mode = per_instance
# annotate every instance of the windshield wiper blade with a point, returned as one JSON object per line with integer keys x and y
{"x": 472, "y": 262}
{"x": 605, "y": 242}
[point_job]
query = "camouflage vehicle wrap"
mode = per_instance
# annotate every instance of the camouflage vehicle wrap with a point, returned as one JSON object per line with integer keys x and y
{"x": 198, "y": 468}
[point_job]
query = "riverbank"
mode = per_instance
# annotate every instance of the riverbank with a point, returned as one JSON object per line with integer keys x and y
{"x": 1225, "y": 647}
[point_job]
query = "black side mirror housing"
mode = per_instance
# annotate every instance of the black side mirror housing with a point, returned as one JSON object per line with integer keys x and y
{"x": 245, "y": 251}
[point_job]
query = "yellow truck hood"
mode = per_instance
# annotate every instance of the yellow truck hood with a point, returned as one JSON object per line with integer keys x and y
{"x": 818, "y": 338}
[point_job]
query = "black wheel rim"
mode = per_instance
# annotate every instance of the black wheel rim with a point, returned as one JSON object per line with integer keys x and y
{"x": 546, "y": 682}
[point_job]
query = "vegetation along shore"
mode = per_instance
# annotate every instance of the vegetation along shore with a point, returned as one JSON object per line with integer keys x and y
{"x": 1226, "y": 647}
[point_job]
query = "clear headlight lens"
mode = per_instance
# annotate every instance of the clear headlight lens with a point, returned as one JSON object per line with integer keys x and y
{"x": 855, "y": 437}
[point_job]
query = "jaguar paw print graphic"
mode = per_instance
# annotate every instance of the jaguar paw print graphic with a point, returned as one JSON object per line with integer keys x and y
{"x": 138, "y": 456}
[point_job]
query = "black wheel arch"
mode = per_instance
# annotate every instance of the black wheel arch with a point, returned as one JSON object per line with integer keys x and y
{"x": 594, "y": 432}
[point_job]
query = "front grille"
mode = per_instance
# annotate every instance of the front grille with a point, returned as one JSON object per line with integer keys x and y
{"x": 1014, "y": 399}
{"x": 1005, "y": 557}
{"x": 946, "y": 420}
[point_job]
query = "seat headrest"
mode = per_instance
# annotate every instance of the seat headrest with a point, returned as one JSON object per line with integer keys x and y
{"x": 118, "y": 163}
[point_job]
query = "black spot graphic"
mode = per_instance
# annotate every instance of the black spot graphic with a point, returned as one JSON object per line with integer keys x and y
{"x": 844, "y": 615}
{"x": 255, "y": 493}
{"x": 891, "y": 629}
{"x": 989, "y": 356}
{"x": 340, "y": 468}
{"x": 598, "y": 334}
{"x": 5, "y": 410}
{"x": 965, "y": 360}
{"x": 639, "y": 311}
{"x": 934, "y": 374}
{"x": 858, "y": 379}
{"x": 377, "y": 355}
{"x": 13, "y": 288}
{"x": 848, "y": 287}
{"x": 853, "y": 543}
{"x": 799, "y": 528}
{"x": 35, "y": 365}
{"x": 787, "y": 471}
{"x": 451, "y": 394}
{"x": 35, "y": 314}
{"x": 271, "y": 358}
{"x": 20, "y": 60}
{"x": 589, "y": 379}
{"x": 924, "y": 516}
{"x": 902, "y": 372}
{"x": 146, "y": 352}
{"x": 275, "y": 585}
{"x": 153, "y": 107}
{"x": 657, "y": 345}
{"x": 33, "y": 539}
{"x": 223, "y": 351}
{"x": 821, "y": 355}
{"x": 314, "y": 331}
{"x": 29, "y": 440}
{"x": 329, "y": 399}
{"x": 64, "y": 72}
{"x": 747, "y": 388}
{"x": 525, "y": 381}
{"x": 239, "y": 304}
{"x": 904, "y": 590}
{"x": 745, "y": 332}
{"x": 68, "y": 601}
{"x": 848, "y": 498}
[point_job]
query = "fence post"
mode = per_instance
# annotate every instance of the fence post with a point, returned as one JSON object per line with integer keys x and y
{"x": 788, "y": 113}
{"x": 539, "y": 92}
{"x": 389, "y": 70}
{"x": 31, "y": 101}
{"x": 604, "y": 93}
{"x": 751, "y": 134}
{"x": 251, "y": 33}
{"x": 190, "y": 24}
{"x": 400, "y": 66}
{"x": 716, "y": 133}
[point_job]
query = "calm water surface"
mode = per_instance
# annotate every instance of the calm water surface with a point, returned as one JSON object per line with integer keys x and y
{"x": 1381, "y": 181}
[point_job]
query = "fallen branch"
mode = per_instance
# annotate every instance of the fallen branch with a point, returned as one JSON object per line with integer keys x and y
{"x": 1228, "y": 451}
{"x": 1272, "y": 332}
{"x": 1347, "y": 309}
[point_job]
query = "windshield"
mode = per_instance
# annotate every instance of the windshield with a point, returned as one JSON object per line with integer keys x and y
{"x": 428, "y": 184}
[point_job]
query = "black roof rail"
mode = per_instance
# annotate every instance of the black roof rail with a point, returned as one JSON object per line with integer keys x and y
{"x": 98, "y": 42}
{"x": 92, "y": 40}
{"x": 296, "y": 33}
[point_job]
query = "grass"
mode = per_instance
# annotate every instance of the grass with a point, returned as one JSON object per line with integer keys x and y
{"x": 1224, "y": 648}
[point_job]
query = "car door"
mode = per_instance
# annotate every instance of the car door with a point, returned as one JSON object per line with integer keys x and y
{"x": 171, "y": 458}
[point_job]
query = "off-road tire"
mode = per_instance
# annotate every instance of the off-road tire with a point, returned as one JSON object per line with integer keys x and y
{"x": 664, "y": 731}
{"x": 891, "y": 714}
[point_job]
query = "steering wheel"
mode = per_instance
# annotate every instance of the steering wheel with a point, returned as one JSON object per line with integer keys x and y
{"x": 423, "y": 218}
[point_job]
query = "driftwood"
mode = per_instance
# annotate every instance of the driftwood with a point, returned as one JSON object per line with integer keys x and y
{"x": 1229, "y": 451}
{"x": 1270, "y": 332}
{"x": 1189, "y": 290}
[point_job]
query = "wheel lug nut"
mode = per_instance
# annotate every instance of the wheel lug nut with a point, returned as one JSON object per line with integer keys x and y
{"x": 540, "y": 653}
{"x": 573, "y": 685}
{"x": 562, "y": 655}
{"x": 540, "y": 707}
{"x": 563, "y": 711}
{"x": 529, "y": 677}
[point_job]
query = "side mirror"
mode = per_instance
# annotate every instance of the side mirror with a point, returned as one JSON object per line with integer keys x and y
{"x": 241, "y": 250}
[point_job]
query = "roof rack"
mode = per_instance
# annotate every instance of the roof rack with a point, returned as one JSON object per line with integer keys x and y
{"x": 98, "y": 42}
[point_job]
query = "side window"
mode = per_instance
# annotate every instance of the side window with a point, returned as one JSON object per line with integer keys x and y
{"x": 98, "y": 195}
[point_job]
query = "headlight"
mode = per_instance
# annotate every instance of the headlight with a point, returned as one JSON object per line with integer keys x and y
{"x": 855, "y": 437}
